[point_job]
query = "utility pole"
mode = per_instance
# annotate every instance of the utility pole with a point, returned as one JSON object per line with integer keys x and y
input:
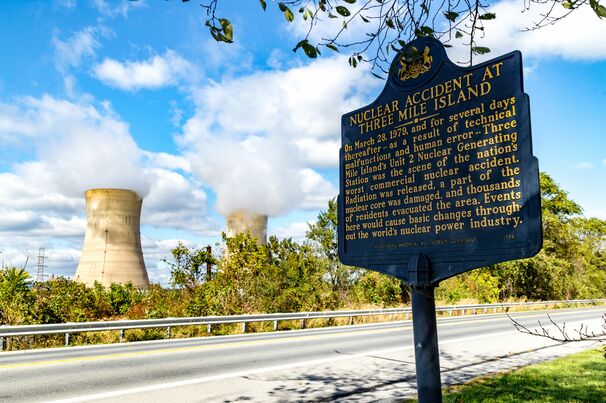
{"x": 40, "y": 275}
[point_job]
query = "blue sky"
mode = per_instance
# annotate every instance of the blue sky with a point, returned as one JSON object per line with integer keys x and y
{"x": 137, "y": 94}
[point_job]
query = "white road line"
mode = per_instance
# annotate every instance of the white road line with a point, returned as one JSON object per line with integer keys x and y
{"x": 168, "y": 385}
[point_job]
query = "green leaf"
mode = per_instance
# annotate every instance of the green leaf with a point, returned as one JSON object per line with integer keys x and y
{"x": 424, "y": 31}
{"x": 363, "y": 18}
{"x": 458, "y": 34}
{"x": 218, "y": 36}
{"x": 568, "y": 5}
{"x": 331, "y": 15}
{"x": 287, "y": 13}
{"x": 451, "y": 15}
{"x": 599, "y": 9}
{"x": 263, "y": 4}
{"x": 488, "y": 16}
{"x": 343, "y": 11}
{"x": 350, "y": 1}
{"x": 333, "y": 47}
{"x": 309, "y": 50}
{"x": 480, "y": 50}
{"x": 389, "y": 23}
{"x": 228, "y": 30}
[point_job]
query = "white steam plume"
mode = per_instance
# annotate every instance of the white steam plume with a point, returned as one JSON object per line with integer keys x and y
{"x": 78, "y": 146}
{"x": 255, "y": 139}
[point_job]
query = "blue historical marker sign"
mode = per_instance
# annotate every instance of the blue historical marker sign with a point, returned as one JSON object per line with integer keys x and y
{"x": 440, "y": 165}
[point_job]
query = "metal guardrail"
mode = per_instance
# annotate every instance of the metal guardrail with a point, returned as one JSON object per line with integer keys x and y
{"x": 123, "y": 325}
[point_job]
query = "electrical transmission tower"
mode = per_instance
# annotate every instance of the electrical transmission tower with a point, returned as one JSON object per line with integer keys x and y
{"x": 40, "y": 275}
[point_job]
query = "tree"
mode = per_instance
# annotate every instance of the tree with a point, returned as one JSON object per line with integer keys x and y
{"x": 15, "y": 296}
{"x": 189, "y": 266}
{"x": 571, "y": 263}
{"x": 389, "y": 24}
{"x": 323, "y": 235}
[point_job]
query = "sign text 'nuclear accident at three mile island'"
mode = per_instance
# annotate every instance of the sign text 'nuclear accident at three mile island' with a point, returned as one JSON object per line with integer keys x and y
{"x": 440, "y": 164}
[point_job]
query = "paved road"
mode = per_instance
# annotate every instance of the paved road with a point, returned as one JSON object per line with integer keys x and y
{"x": 352, "y": 363}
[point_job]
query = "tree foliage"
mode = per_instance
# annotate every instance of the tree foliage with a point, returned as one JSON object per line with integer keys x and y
{"x": 385, "y": 26}
{"x": 189, "y": 266}
{"x": 289, "y": 276}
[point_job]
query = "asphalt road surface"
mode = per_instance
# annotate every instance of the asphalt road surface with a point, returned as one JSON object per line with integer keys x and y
{"x": 349, "y": 363}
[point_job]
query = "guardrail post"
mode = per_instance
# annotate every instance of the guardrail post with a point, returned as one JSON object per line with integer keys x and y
{"x": 275, "y": 325}
{"x": 168, "y": 332}
{"x": 302, "y": 323}
{"x": 243, "y": 327}
{"x": 66, "y": 339}
{"x": 1, "y": 343}
{"x": 351, "y": 320}
{"x": 121, "y": 335}
{"x": 209, "y": 328}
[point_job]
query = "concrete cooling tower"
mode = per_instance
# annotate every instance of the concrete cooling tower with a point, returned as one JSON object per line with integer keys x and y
{"x": 112, "y": 244}
{"x": 241, "y": 222}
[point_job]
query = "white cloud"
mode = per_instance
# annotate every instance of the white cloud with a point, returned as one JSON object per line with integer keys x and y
{"x": 176, "y": 202}
{"x": 82, "y": 146}
{"x": 316, "y": 189}
{"x": 580, "y": 36}
{"x": 168, "y": 161}
{"x": 72, "y": 51}
{"x": 322, "y": 153}
{"x": 295, "y": 230}
{"x": 156, "y": 72}
{"x": 252, "y": 138}
{"x": 117, "y": 8}
{"x": 79, "y": 147}
{"x": 328, "y": 28}
{"x": 69, "y": 4}
{"x": 583, "y": 165}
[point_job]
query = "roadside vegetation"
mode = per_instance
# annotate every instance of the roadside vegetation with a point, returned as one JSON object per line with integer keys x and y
{"x": 287, "y": 276}
{"x": 575, "y": 378}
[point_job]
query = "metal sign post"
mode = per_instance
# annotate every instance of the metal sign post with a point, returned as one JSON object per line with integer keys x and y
{"x": 425, "y": 330}
{"x": 437, "y": 177}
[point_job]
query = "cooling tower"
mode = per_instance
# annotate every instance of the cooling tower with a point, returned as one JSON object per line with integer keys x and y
{"x": 112, "y": 244}
{"x": 241, "y": 222}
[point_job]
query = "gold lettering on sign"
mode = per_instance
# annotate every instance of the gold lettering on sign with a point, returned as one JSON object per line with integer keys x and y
{"x": 440, "y": 161}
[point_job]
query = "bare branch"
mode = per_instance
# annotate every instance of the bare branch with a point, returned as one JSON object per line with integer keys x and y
{"x": 582, "y": 333}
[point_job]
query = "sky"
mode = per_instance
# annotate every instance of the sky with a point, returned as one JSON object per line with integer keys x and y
{"x": 137, "y": 95}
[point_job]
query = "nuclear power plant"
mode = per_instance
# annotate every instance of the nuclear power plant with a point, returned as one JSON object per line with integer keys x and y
{"x": 112, "y": 244}
{"x": 241, "y": 222}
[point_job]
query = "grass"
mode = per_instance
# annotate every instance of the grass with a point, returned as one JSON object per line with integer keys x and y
{"x": 579, "y": 377}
